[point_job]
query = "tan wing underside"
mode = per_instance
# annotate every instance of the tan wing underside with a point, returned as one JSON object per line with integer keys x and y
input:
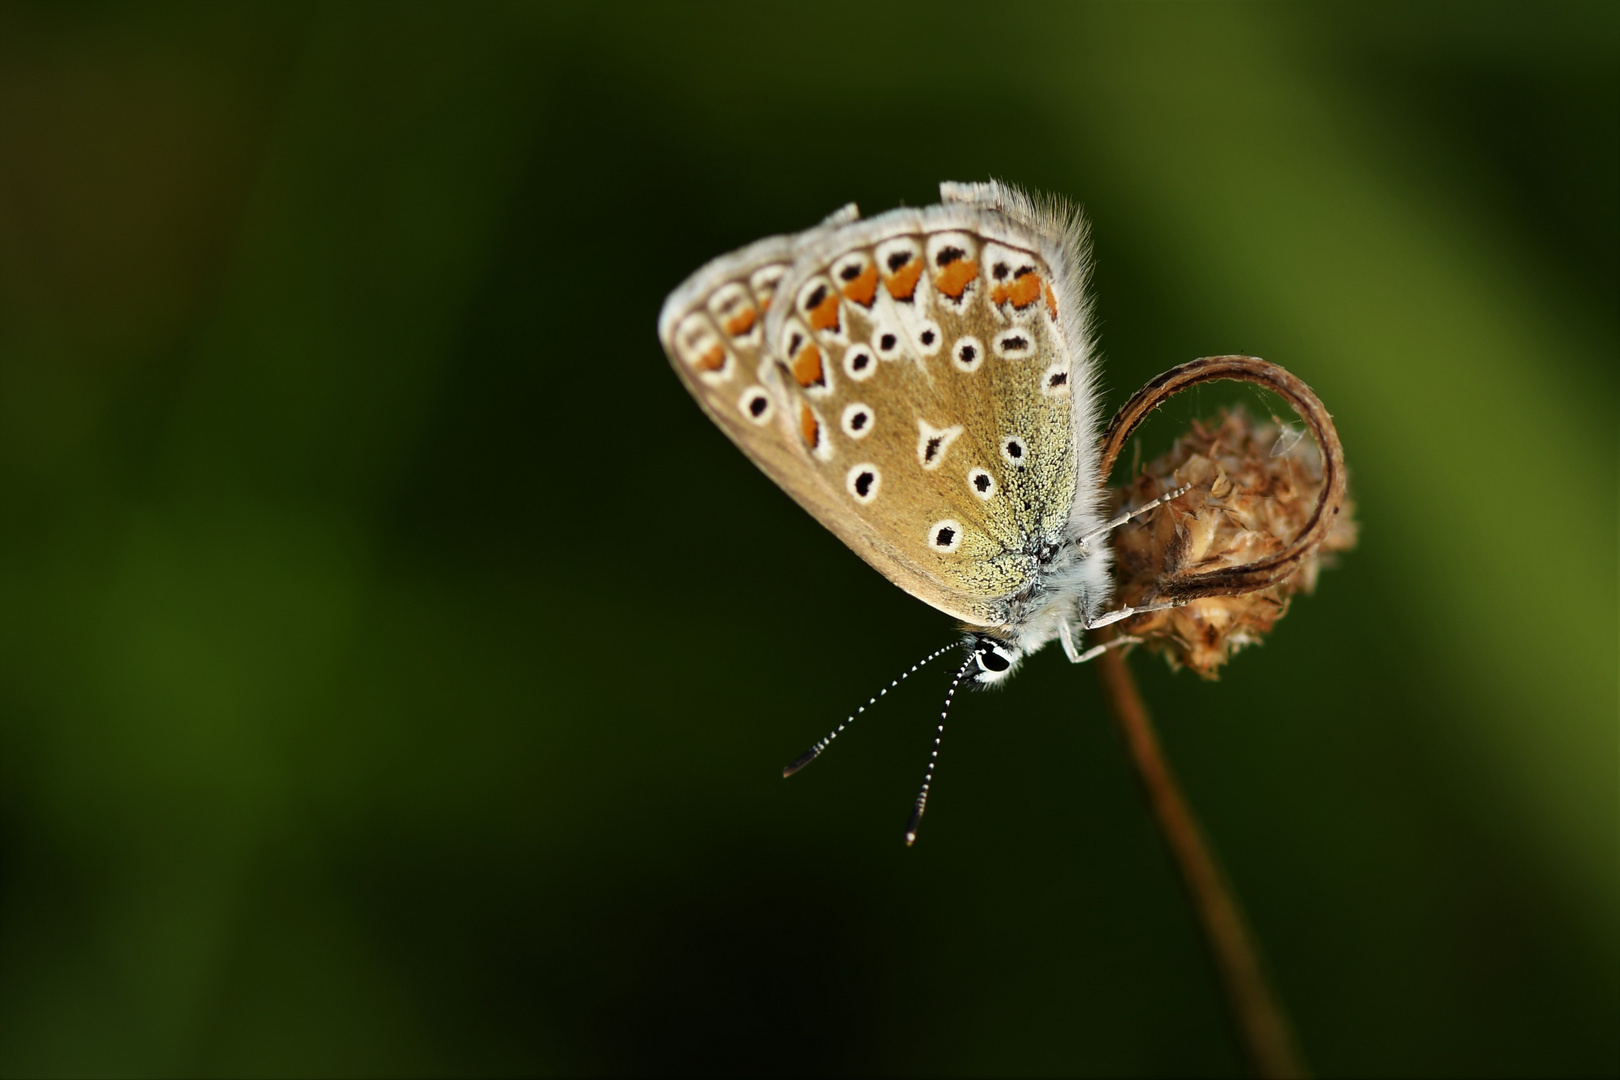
{"x": 977, "y": 361}
{"x": 949, "y": 346}
{"x": 715, "y": 342}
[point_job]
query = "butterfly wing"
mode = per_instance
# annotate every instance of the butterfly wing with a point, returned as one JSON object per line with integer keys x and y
{"x": 713, "y": 330}
{"x": 922, "y": 369}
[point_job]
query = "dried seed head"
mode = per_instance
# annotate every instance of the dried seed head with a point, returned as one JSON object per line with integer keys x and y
{"x": 1255, "y": 486}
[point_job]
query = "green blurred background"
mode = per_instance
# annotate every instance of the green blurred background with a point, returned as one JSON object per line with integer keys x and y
{"x": 396, "y": 667}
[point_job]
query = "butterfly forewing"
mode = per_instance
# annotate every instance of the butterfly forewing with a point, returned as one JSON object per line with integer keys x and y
{"x": 940, "y": 408}
{"x": 918, "y": 382}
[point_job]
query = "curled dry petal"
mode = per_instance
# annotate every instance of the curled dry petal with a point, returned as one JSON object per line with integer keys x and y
{"x": 1255, "y": 487}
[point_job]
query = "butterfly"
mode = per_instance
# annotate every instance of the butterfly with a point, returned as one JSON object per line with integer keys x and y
{"x": 923, "y": 383}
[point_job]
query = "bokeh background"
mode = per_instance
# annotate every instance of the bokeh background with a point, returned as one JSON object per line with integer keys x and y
{"x": 395, "y": 667}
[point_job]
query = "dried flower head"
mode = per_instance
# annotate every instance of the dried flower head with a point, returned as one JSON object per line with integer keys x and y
{"x": 1255, "y": 486}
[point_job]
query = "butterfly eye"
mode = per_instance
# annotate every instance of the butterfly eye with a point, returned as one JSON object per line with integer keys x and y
{"x": 995, "y": 660}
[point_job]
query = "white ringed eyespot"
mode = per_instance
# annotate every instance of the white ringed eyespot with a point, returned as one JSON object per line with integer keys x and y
{"x": 887, "y": 340}
{"x": 929, "y": 338}
{"x": 933, "y": 443}
{"x": 1055, "y": 382}
{"x": 945, "y": 536}
{"x": 857, "y": 420}
{"x": 967, "y": 354}
{"x": 862, "y": 481}
{"x": 755, "y": 404}
{"x": 859, "y": 363}
{"x": 1014, "y": 344}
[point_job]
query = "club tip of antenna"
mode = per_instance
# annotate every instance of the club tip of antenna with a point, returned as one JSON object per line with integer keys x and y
{"x": 911, "y": 826}
{"x": 799, "y": 762}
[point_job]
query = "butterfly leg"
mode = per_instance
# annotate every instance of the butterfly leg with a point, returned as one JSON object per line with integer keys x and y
{"x": 1126, "y": 612}
{"x": 1077, "y": 657}
{"x": 1110, "y": 526}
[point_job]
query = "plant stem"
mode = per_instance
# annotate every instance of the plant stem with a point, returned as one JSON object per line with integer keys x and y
{"x": 1260, "y": 1023}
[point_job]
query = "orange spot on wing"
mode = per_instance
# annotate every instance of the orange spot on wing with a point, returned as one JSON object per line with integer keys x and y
{"x": 1051, "y": 302}
{"x": 824, "y": 316}
{"x": 1023, "y": 291}
{"x": 955, "y": 278}
{"x": 807, "y": 366}
{"x": 809, "y": 427}
{"x": 863, "y": 288}
{"x": 742, "y": 322}
{"x": 713, "y": 360}
{"x": 902, "y": 285}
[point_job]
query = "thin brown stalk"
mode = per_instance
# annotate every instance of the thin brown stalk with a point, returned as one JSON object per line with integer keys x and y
{"x": 1258, "y": 1018}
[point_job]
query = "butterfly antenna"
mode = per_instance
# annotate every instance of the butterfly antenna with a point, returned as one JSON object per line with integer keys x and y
{"x": 933, "y": 758}
{"x": 815, "y": 751}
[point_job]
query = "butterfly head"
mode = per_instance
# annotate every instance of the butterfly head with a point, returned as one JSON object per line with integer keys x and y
{"x": 994, "y": 660}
